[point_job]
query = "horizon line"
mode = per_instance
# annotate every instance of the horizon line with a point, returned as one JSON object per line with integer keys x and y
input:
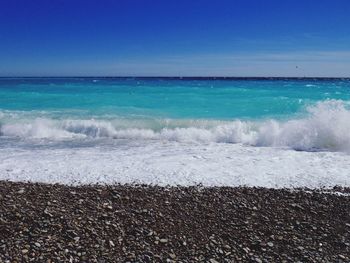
{"x": 177, "y": 77}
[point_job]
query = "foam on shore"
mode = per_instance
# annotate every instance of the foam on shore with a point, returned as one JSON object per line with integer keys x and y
{"x": 173, "y": 163}
{"x": 312, "y": 151}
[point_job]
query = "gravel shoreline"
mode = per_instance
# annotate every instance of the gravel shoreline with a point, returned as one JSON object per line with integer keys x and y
{"x": 57, "y": 223}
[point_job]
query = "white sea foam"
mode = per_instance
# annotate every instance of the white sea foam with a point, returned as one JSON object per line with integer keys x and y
{"x": 174, "y": 163}
{"x": 326, "y": 127}
{"x": 180, "y": 152}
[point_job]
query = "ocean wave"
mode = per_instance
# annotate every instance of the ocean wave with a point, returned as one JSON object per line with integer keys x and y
{"x": 325, "y": 127}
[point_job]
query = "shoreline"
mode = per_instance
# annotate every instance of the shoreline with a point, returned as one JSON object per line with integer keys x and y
{"x": 109, "y": 223}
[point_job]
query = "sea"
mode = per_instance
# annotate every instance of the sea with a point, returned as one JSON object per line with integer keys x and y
{"x": 263, "y": 132}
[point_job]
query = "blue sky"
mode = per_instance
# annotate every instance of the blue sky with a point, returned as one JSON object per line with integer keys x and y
{"x": 175, "y": 38}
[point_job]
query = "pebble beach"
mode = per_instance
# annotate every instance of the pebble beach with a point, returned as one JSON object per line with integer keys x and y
{"x": 138, "y": 223}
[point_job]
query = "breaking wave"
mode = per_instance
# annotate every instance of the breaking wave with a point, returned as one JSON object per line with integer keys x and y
{"x": 325, "y": 127}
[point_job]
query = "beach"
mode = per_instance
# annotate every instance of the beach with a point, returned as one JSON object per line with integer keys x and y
{"x": 174, "y": 131}
{"x": 138, "y": 223}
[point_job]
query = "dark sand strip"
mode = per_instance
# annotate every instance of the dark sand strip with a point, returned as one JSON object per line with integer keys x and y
{"x": 55, "y": 223}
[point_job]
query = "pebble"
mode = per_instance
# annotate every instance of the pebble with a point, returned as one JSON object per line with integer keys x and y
{"x": 21, "y": 191}
{"x": 37, "y": 244}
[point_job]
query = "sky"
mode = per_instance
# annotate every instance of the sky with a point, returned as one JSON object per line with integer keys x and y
{"x": 288, "y": 38}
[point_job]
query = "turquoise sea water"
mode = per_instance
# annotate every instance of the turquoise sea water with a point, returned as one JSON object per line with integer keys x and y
{"x": 258, "y": 132}
{"x": 167, "y": 98}
{"x": 304, "y": 114}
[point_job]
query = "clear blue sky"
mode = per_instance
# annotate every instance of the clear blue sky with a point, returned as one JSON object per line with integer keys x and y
{"x": 175, "y": 38}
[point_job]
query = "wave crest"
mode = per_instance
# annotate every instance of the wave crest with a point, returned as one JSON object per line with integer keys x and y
{"x": 326, "y": 127}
